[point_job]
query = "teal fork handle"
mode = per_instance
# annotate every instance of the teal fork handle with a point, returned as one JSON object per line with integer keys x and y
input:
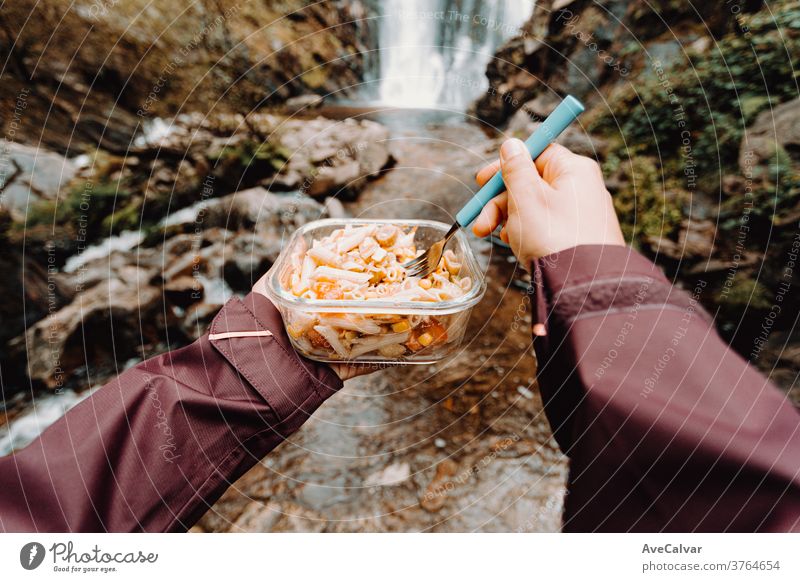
{"x": 566, "y": 112}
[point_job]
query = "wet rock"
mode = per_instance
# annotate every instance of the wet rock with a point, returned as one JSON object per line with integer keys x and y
{"x": 183, "y": 291}
{"x": 584, "y": 48}
{"x": 316, "y": 156}
{"x": 227, "y": 243}
{"x": 437, "y": 491}
{"x": 258, "y": 517}
{"x": 70, "y": 47}
{"x": 335, "y": 208}
{"x": 303, "y": 103}
{"x": 198, "y": 318}
{"x": 182, "y": 266}
{"x": 257, "y": 208}
{"x": 252, "y": 255}
{"x": 775, "y": 133}
{"x": 29, "y": 292}
{"x": 29, "y": 175}
{"x": 334, "y": 179}
{"x": 540, "y": 106}
{"x": 695, "y": 240}
{"x": 332, "y": 157}
{"x": 105, "y": 322}
{"x": 393, "y": 474}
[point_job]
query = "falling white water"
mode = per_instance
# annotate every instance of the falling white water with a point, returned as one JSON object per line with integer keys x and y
{"x": 45, "y": 411}
{"x": 435, "y": 52}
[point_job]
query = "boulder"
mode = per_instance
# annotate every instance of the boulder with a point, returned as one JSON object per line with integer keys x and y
{"x": 257, "y": 208}
{"x": 29, "y": 292}
{"x": 104, "y": 324}
{"x": 183, "y": 291}
{"x": 329, "y": 157}
{"x": 303, "y": 103}
{"x": 197, "y": 319}
{"x": 590, "y": 48}
{"x": 29, "y": 175}
{"x": 695, "y": 241}
{"x": 775, "y": 132}
{"x": 250, "y": 256}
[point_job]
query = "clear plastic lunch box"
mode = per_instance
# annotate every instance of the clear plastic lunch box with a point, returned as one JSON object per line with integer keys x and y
{"x": 372, "y": 322}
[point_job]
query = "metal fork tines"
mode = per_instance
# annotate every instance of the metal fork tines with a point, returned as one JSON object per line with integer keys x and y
{"x": 427, "y": 262}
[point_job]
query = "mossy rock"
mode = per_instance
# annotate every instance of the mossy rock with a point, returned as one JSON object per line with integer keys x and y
{"x": 646, "y": 206}
{"x": 744, "y": 292}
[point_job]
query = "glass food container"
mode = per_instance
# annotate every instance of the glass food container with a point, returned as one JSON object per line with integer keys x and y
{"x": 376, "y": 331}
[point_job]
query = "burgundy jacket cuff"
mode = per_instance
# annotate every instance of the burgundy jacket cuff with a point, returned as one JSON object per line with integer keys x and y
{"x": 588, "y": 280}
{"x": 266, "y": 362}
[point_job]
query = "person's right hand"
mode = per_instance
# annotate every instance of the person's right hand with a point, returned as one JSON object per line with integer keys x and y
{"x": 559, "y": 202}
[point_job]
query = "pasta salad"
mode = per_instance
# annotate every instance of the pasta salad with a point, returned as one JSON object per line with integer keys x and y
{"x": 365, "y": 263}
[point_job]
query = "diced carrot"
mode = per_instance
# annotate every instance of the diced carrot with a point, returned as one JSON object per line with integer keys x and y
{"x": 326, "y": 290}
{"x": 436, "y": 330}
{"x": 413, "y": 345}
{"x": 317, "y": 340}
{"x": 427, "y": 333}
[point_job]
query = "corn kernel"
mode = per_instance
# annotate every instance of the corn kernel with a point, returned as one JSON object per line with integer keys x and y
{"x": 425, "y": 339}
{"x": 425, "y": 283}
{"x": 400, "y": 326}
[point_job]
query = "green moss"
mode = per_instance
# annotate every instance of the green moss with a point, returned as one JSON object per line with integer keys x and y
{"x": 129, "y": 217}
{"x": 744, "y": 292}
{"x": 707, "y": 103}
{"x": 249, "y": 152}
{"x": 644, "y": 203}
{"x": 86, "y": 207}
{"x": 678, "y": 130}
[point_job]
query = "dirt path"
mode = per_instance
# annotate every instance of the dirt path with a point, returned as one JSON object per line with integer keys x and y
{"x": 460, "y": 446}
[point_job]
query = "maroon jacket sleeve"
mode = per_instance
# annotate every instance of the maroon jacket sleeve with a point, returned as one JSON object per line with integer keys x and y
{"x": 666, "y": 427}
{"x": 155, "y": 448}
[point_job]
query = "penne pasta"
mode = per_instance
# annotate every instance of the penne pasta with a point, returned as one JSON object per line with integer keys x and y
{"x": 333, "y": 275}
{"x": 366, "y": 264}
{"x": 351, "y": 322}
{"x": 377, "y": 342}
{"x": 332, "y": 337}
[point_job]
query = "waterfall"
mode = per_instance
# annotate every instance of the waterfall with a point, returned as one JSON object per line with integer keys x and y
{"x": 434, "y": 52}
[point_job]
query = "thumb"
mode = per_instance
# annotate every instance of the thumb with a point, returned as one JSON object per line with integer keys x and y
{"x": 519, "y": 174}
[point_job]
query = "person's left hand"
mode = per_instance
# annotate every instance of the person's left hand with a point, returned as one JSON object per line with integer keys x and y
{"x": 344, "y": 371}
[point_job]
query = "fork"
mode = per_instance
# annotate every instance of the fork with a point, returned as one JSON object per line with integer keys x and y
{"x": 566, "y": 112}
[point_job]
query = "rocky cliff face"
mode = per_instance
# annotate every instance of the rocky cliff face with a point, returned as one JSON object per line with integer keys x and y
{"x": 191, "y": 216}
{"x": 92, "y": 71}
{"x": 588, "y": 47}
{"x": 692, "y": 111}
